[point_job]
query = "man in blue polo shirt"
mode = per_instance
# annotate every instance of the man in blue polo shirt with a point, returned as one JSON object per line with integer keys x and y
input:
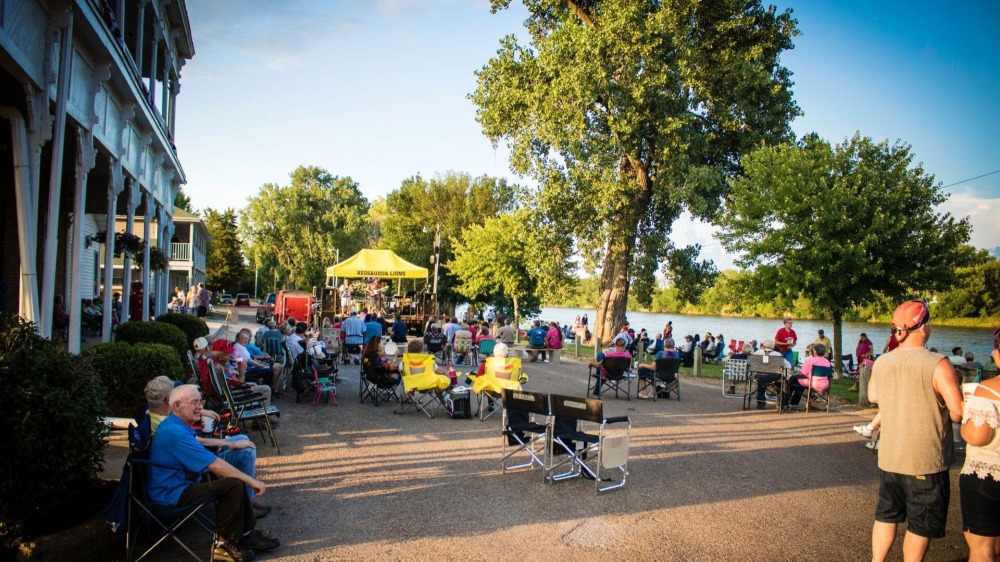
{"x": 175, "y": 446}
{"x": 354, "y": 337}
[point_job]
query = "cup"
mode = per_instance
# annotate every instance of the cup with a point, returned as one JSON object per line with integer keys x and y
{"x": 207, "y": 424}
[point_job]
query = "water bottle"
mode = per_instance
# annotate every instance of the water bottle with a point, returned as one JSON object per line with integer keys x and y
{"x": 452, "y": 375}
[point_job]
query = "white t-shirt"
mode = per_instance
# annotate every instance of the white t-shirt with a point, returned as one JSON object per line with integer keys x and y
{"x": 239, "y": 354}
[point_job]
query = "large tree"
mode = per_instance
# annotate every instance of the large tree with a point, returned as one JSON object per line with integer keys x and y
{"x": 225, "y": 267}
{"x": 513, "y": 261}
{"x": 628, "y": 112}
{"x": 295, "y": 231}
{"x": 844, "y": 225}
{"x": 409, "y": 216}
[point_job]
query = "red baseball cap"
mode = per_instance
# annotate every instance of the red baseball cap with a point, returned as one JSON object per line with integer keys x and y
{"x": 911, "y": 315}
{"x": 222, "y": 345}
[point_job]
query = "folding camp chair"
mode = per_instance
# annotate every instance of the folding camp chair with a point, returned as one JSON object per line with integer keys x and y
{"x": 251, "y": 409}
{"x": 166, "y": 521}
{"x": 610, "y": 448}
{"x": 665, "y": 379}
{"x": 324, "y": 387}
{"x": 826, "y": 372}
{"x": 500, "y": 373}
{"x": 461, "y": 349}
{"x": 613, "y": 373}
{"x": 484, "y": 350}
{"x": 423, "y": 387}
{"x": 526, "y": 427}
{"x": 734, "y": 375}
{"x": 764, "y": 365}
{"x": 376, "y": 383}
{"x": 850, "y": 369}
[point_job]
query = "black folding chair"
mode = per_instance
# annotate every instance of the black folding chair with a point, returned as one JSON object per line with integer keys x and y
{"x": 377, "y": 384}
{"x": 826, "y": 372}
{"x": 665, "y": 379}
{"x": 764, "y": 365}
{"x": 251, "y": 409}
{"x": 602, "y": 452}
{"x": 526, "y": 426}
{"x": 615, "y": 375}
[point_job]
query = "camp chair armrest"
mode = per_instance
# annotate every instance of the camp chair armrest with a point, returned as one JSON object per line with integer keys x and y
{"x": 616, "y": 419}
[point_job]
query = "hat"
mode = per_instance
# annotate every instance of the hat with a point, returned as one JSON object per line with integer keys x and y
{"x": 222, "y": 345}
{"x": 911, "y": 315}
{"x": 200, "y": 344}
{"x": 158, "y": 389}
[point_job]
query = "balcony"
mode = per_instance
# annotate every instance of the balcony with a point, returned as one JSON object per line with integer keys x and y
{"x": 180, "y": 252}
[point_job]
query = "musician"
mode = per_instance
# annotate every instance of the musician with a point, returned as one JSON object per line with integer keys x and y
{"x": 346, "y": 298}
{"x": 374, "y": 295}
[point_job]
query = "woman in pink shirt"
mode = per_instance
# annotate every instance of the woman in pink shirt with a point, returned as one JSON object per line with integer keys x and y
{"x": 553, "y": 338}
{"x": 816, "y": 357}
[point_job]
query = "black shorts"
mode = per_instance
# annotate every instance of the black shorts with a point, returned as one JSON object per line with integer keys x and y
{"x": 920, "y": 501}
{"x": 353, "y": 348}
{"x": 980, "y": 498}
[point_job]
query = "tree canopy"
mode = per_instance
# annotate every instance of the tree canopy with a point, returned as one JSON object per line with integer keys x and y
{"x": 628, "y": 113}
{"x": 295, "y": 230}
{"x": 407, "y": 218}
{"x": 843, "y": 225}
{"x": 225, "y": 267}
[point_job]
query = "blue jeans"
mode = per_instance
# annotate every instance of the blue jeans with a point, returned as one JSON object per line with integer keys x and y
{"x": 244, "y": 460}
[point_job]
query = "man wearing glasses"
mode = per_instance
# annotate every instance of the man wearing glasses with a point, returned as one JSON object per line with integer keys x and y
{"x": 175, "y": 446}
{"x": 917, "y": 393}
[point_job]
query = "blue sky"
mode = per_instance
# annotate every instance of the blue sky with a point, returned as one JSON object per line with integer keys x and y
{"x": 376, "y": 90}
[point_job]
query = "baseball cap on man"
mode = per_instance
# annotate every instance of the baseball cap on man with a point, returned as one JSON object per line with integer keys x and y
{"x": 158, "y": 389}
{"x": 222, "y": 345}
{"x": 911, "y": 315}
{"x": 200, "y": 344}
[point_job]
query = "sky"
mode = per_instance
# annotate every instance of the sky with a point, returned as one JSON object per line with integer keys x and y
{"x": 377, "y": 90}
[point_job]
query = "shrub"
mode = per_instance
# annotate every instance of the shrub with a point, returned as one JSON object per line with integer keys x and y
{"x": 192, "y": 326}
{"x": 52, "y": 401}
{"x": 124, "y": 370}
{"x": 153, "y": 332}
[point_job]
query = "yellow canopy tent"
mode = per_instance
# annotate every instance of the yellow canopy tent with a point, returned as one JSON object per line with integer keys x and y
{"x": 383, "y": 264}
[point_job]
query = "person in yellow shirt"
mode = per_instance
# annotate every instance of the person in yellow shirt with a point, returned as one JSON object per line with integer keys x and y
{"x": 821, "y": 338}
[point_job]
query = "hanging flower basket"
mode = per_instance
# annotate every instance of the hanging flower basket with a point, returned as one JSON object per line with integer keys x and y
{"x": 125, "y": 243}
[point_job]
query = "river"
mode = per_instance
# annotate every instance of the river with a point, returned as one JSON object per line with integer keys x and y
{"x": 944, "y": 338}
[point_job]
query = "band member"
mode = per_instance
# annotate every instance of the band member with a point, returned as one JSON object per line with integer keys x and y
{"x": 374, "y": 295}
{"x": 346, "y": 298}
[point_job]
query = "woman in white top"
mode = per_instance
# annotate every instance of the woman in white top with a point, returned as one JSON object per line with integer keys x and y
{"x": 979, "y": 484}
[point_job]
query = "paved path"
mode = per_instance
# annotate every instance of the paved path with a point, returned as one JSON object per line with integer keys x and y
{"x": 708, "y": 482}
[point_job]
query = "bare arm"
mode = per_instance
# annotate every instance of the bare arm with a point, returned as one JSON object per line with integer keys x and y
{"x": 946, "y": 385}
{"x": 872, "y": 389}
{"x": 212, "y": 442}
{"x": 223, "y": 469}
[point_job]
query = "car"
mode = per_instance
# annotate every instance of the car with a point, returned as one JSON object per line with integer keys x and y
{"x": 242, "y": 299}
{"x": 225, "y": 298}
{"x": 270, "y": 299}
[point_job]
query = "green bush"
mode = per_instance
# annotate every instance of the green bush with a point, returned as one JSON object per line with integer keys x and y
{"x": 153, "y": 332}
{"x": 54, "y": 446}
{"x": 124, "y": 369}
{"x": 192, "y": 326}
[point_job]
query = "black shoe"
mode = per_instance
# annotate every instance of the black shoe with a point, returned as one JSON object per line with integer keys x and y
{"x": 761, "y": 406}
{"x": 260, "y": 513}
{"x": 258, "y": 542}
{"x": 231, "y": 553}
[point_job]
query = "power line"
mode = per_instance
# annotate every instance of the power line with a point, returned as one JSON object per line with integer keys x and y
{"x": 970, "y": 179}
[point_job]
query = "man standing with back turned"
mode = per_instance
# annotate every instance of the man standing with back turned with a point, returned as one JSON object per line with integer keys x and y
{"x": 917, "y": 392}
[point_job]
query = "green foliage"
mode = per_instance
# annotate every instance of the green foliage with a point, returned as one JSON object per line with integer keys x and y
{"x": 627, "y": 113}
{"x": 55, "y": 450}
{"x": 153, "y": 332}
{"x": 782, "y": 219}
{"x": 454, "y": 201}
{"x": 510, "y": 262}
{"x": 192, "y": 326}
{"x": 976, "y": 292}
{"x": 124, "y": 369}
{"x": 182, "y": 201}
{"x": 295, "y": 230}
{"x": 224, "y": 267}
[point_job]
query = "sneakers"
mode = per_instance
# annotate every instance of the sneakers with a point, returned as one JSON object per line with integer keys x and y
{"x": 873, "y": 445}
{"x": 260, "y": 510}
{"x": 864, "y": 431}
{"x": 231, "y": 553}
{"x": 545, "y": 360}
{"x": 258, "y": 542}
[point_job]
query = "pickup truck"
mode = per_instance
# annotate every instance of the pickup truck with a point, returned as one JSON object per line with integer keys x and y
{"x": 225, "y": 298}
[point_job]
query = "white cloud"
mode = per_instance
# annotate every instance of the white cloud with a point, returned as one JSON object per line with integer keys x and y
{"x": 983, "y": 213}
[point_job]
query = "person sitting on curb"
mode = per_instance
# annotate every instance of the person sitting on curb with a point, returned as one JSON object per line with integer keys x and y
{"x": 237, "y": 450}
{"x": 176, "y": 447}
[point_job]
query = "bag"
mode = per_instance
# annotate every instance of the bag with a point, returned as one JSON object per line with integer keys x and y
{"x": 458, "y": 403}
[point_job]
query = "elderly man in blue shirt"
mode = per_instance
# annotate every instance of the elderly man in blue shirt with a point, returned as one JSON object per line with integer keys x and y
{"x": 175, "y": 446}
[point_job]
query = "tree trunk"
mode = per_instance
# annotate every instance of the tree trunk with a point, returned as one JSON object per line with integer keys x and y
{"x": 517, "y": 323}
{"x": 838, "y": 344}
{"x": 613, "y": 297}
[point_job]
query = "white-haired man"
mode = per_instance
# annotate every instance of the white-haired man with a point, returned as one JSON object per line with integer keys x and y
{"x": 176, "y": 447}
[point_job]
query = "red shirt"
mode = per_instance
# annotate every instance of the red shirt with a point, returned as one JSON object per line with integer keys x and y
{"x": 782, "y": 336}
{"x": 892, "y": 344}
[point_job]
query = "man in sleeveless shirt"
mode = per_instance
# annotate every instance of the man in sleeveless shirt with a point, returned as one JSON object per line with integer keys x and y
{"x": 917, "y": 393}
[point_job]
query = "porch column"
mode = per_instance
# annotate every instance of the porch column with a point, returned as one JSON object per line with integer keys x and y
{"x": 147, "y": 218}
{"x": 85, "y": 154}
{"x": 63, "y": 20}
{"x": 131, "y": 199}
{"x": 115, "y": 186}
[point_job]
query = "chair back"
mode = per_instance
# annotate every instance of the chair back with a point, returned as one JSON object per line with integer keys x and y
{"x": 375, "y": 373}
{"x": 826, "y": 372}
{"x": 220, "y": 386}
{"x": 524, "y": 401}
{"x": 571, "y": 407}
{"x": 486, "y": 347}
{"x": 766, "y": 364}
{"x": 462, "y": 342}
{"x": 272, "y": 344}
{"x": 417, "y": 364}
{"x": 193, "y": 363}
{"x": 503, "y": 367}
{"x": 615, "y": 367}
{"x": 667, "y": 366}
{"x": 735, "y": 369}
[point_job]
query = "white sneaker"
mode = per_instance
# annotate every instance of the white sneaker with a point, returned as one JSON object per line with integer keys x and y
{"x": 873, "y": 445}
{"x": 864, "y": 431}
{"x": 545, "y": 360}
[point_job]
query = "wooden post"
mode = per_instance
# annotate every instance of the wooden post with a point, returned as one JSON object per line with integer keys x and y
{"x": 697, "y": 362}
{"x": 864, "y": 373}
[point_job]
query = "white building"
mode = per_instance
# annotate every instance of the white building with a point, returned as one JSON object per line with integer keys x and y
{"x": 88, "y": 94}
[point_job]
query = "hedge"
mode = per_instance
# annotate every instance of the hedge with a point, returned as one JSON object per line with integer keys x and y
{"x": 124, "y": 369}
{"x": 192, "y": 326}
{"x": 52, "y": 404}
{"x": 154, "y": 332}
